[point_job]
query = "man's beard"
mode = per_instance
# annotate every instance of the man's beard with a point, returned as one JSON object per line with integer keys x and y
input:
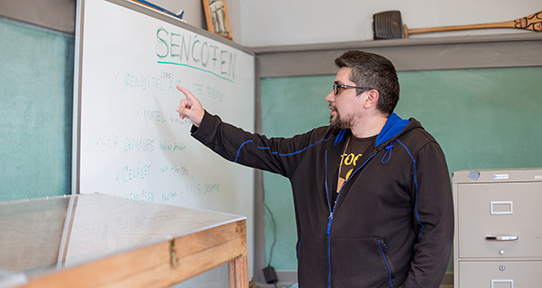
{"x": 338, "y": 122}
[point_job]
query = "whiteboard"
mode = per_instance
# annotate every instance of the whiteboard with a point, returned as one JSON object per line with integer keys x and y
{"x": 130, "y": 141}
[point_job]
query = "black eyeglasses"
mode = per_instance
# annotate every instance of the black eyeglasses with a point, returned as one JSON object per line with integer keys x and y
{"x": 336, "y": 88}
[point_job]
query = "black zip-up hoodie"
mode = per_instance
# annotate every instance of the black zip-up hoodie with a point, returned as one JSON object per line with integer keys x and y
{"x": 392, "y": 225}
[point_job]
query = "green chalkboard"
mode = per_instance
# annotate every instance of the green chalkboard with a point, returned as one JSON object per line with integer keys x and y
{"x": 36, "y": 83}
{"x": 482, "y": 118}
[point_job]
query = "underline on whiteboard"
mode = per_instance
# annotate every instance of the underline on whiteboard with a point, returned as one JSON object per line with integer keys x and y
{"x": 189, "y": 66}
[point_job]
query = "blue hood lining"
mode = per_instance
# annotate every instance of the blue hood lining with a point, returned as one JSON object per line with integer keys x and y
{"x": 393, "y": 126}
{"x": 340, "y": 136}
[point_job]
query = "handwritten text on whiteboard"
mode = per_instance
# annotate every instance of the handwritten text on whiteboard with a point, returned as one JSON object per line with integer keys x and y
{"x": 187, "y": 50}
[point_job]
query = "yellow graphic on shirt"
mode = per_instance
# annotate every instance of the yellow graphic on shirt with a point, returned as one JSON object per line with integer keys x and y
{"x": 349, "y": 161}
{"x": 349, "y": 173}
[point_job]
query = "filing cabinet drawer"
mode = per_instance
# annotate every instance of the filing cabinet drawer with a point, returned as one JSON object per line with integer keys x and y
{"x": 492, "y": 215}
{"x": 495, "y": 274}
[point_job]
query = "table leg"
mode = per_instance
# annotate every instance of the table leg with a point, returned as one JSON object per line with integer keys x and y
{"x": 238, "y": 272}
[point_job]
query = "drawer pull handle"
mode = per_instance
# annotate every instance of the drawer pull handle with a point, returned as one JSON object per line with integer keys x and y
{"x": 502, "y": 238}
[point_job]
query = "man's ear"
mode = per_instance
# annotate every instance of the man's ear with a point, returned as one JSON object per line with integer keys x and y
{"x": 372, "y": 98}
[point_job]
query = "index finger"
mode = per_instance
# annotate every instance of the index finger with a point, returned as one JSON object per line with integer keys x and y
{"x": 186, "y": 93}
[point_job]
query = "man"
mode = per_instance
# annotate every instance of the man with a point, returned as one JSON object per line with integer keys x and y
{"x": 371, "y": 191}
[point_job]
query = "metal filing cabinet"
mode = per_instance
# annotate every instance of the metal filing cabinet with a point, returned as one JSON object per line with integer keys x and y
{"x": 498, "y": 228}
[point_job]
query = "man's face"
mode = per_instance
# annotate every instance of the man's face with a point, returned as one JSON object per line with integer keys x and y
{"x": 344, "y": 105}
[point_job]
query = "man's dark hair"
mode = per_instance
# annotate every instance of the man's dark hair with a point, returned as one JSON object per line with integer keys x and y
{"x": 373, "y": 71}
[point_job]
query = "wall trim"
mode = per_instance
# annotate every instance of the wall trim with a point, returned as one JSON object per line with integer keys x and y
{"x": 414, "y": 54}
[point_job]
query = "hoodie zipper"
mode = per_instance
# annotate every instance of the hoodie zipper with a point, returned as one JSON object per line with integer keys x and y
{"x": 332, "y": 211}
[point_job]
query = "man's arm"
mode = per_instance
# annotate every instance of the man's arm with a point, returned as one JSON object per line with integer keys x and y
{"x": 240, "y": 146}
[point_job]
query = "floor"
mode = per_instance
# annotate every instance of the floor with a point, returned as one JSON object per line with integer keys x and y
{"x": 447, "y": 282}
{"x": 281, "y": 285}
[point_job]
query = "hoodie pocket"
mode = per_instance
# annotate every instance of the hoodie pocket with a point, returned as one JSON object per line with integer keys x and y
{"x": 362, "y": 261}
{"x": 387, "y": 261}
